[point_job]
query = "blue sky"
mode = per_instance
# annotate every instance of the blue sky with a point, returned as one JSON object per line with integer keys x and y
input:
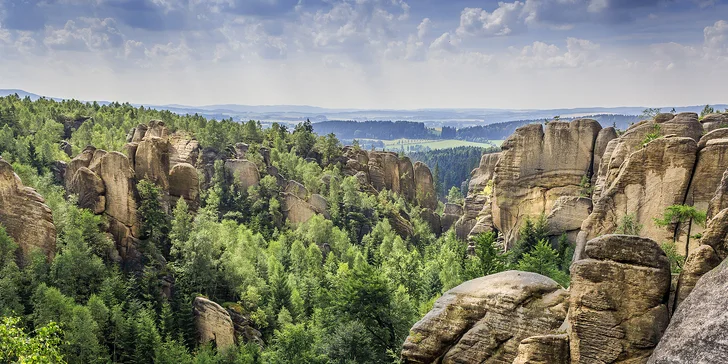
{"x": 369, "y": 53}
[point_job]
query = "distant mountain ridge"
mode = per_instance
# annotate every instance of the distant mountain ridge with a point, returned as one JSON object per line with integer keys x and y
{"x": 459, "y": 118}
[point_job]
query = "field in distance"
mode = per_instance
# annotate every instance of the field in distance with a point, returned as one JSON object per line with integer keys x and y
{"x": 421, "y": 144}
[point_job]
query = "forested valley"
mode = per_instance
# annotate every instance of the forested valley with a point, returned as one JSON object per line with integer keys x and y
{"x": 342, "y": 284}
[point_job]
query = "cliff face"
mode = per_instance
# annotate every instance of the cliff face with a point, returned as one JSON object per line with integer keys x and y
{"x": 25, "y": 216}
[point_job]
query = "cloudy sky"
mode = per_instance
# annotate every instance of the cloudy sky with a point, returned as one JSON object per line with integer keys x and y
{"x": 370, "y": 53}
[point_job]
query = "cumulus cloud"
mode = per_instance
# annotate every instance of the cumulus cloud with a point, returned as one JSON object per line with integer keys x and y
{"x": 716, "y": 40}
{"x": 579, "y": 53}
{"x": 84, "y": 34}
{"x": 507, "y": 19}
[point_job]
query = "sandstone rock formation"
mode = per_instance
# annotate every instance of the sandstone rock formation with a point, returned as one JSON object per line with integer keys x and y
{"x": 25, "y": 216}
{"x": 545, "y": 349}
{"x": 714, "y": 121}
{"x": 183, "y": 149}
{"x": 604, "y": 137}
{"x": 90, "y": 190}
{"x": 242, "y": 172}
{"x": 424, "y": 186}
{"x": 537, "y": 166}
{"x": 477, "y": 216}
{"x": 184, "y": 182}
{"x": 567, "y": 215}
{"x": 618, "y": 303}
{"x": 650, "y": 179}
{"x": 213, "y": 323}
{"x": 486, "y": 319}
{"x": 697, "y": 332}
{"x": 151, "y": 161}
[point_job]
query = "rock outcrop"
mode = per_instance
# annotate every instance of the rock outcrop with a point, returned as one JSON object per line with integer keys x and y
{"x": 567, "y": 215}
{"x": 242, "y": 172}
{"x": 618, "y": 303}
{"x": 424, "y": 187}
{"x": 698, "y": 329}
{"x": 378, "y": 170}
{"x": 486, "y": 319}
{"x": 25, "y": 216}
{"x": 601, "y": 144}
{"x": 213, "y": 323}
{"x": 184, "y": 182}
{"x": 151, "y": 160}
{"x": 537, "y": 166}
{"x": 477, "y": 216}
{"x": 90, "y": 189}
{"x": 183, "y": 148}
{"x": 545, "y": 349}
{"x": 714, "y": 121}
{"x": 650, "y": 179}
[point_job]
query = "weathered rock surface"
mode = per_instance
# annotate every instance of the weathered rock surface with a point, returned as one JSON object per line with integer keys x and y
{"x": 650, "y": 180}
{"x": 537, "y": 166}
{"x": 484, "y": 320}
{"x": 156, "y": 129}
{"x": 213, "y": 323}
{"x": 546, "y": 349}
{"x": 151, "y": 161}
{"x": 319, "y": 204}
{"x": 699, "y": 328}
{"x": 568, "y": 213}
{"x": 479, "y": 177}
{"x": 117, "y": 174}
{"x": 618, "y": 303}
{"x": 720, "y": 198}
{"x": 296, "y": 189}
{"x": 184, "y": 182}
{"x": 407, "y": 179}
{"x": 295, "y": 209}
{"x": 424, "y": 187}
{"x": 684, "y": 125}
{"x": 90, "y": 190}
{"x": 714, "y": 121}
{"x": 25, "y": 216}
{"x": 242, "y": 172}
{"x": 183, "y": 148}
{"x": 700, "y": 261}
{"x": 712, "y": 162}
{"x": 432, "y": 219}
{"x": 605, "y": 136}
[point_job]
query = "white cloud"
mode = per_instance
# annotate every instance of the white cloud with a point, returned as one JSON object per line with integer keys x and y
{"x": 579, "y": 53}
{"x": 87, "y": 34}
{"x": 716, "y": 40}
{"x": 446, "y": 42}
{"x": 424, "y": 28}
{"x": 505, "y": 20}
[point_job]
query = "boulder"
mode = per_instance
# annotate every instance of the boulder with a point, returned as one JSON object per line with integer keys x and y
{"x": 486, "y": 319}
{"x": 424, "y": 187}
{"x": 90, "y": 190}
{"x": 213, "y": 323}
{"x": 545, "y": 349}
{"x": 98, "y": 154}
{"x": 25, "y": 216}
{"x": 184, "y": 182}
{"x": 151, "y": 161}
{"x": 296, "y": 189}
{"x": 698, "y": 331}
{"x": 242, "y": 172}
{"x": 401, "y": 224}
{"x": 183, "y": 148}
{"x": 537, "y": 166}
{"x": 618, "y": 303}
{"x": 244, "y": 330}
{"x": 650, "y": 180}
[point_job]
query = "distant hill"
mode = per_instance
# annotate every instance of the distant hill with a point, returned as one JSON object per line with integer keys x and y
{"x": 431, "y": 118}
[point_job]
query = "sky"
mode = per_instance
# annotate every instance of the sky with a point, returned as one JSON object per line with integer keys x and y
{"x": 389, "y": 54}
